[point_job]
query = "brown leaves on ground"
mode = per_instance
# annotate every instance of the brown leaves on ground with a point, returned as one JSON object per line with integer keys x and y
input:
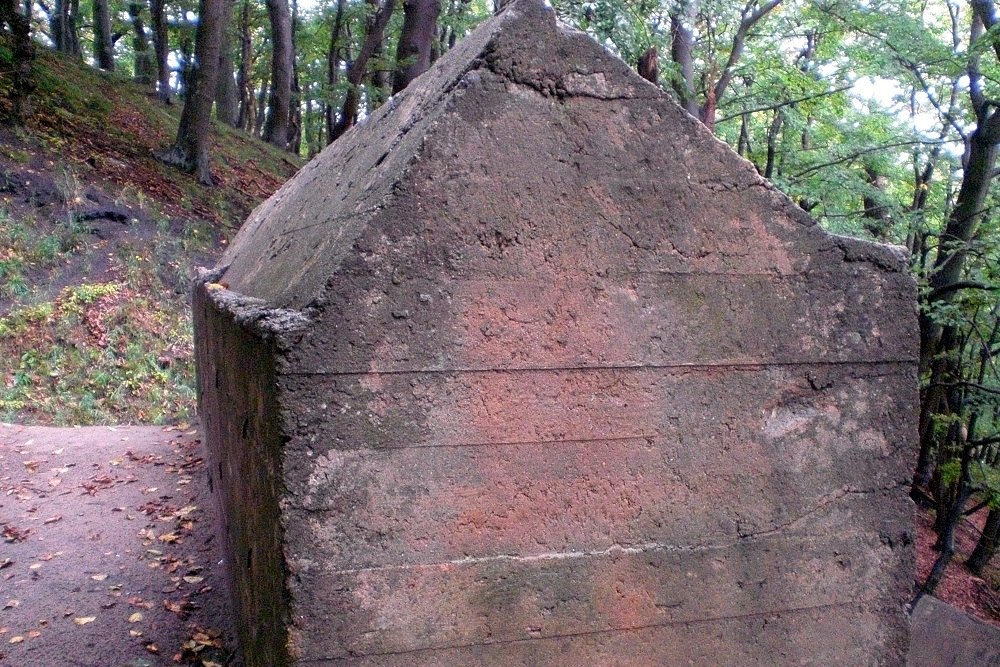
{"x": 98, "y": 483}
{"x": 959, "y": 587}
{"x": 12, "y": 533}
{"x": 203, "y": 649}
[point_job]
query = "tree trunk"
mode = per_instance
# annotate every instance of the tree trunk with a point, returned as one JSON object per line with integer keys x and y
{"x": 227, "y": 101}
{"x": 103, "y": 48}
{"x": 413, "y": 54}
{"x": 333, "y": 69}
{"x": 378, "y": 79}
{"x": 276, "y": 129}
{"x": 162, "y": 48}
{"x": 15, "y": 30}
{"x": 356, "y": 73}
{"x": 191, "y": 150}
{"x": 773, "y": 134}
{"x": 962, "y": 224}
{"x": 649, "y": 66}
{"x": 987, "y": 546}
{"x": 946, "y": 539}
{"x": 144, "y": 69}
{"x": 186, "y": 64}
{"x": 878, "y": 219}
{"x": 682, "y": 53}
{"x": 295, "y": 105}
{"x": 260, "y": 113}
{"x": 64, "y": 27}
{"x": 244, "y": 81}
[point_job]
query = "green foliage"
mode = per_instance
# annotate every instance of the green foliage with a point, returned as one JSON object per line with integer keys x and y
{"x": 100, "y": 353}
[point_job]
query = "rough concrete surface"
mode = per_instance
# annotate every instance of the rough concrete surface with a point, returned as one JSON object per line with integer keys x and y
{"x": 530, "y": 369}
{"x": 944, "y": 636}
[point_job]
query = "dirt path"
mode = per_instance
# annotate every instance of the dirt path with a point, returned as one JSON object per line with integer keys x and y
{"x": 108, "y": 556}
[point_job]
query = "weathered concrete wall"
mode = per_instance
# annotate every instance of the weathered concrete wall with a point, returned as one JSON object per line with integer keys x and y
{"x": 570, "y": 384}
{"x": 240, "y": 421}
{"x": 944, "y": 636}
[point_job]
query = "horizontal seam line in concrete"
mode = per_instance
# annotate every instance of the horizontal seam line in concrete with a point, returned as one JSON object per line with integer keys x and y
{"x": 749, "y": 365}
{"x": 641, "y": 438}
{"x": 588, "y": 278}
{"x": 572, "y": 635}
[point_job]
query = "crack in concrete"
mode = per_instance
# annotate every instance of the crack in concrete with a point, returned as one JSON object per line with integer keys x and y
{"x": 613, "y": 550}
{"x": 824, "y": 502}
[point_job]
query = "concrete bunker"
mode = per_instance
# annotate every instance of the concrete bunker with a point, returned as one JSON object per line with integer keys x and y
{"x": 531, "y": 370}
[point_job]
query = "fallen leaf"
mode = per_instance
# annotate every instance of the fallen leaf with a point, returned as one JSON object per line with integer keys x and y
{"x": 84, "y": 620}
{"x": 169, "y": 538}
{"x": 6, "y": 562}
{"x": 46, "y": 557}
{"x": 55, "y": 481}
{"x": 152, "y": 648}
{"x": 12, "y": 604}
{"x": 194, "y": 580}
{"x": 15, "y": 534}
{"x": 16, "y": 640}
{"x": 35, "y": 566}
{"x": 135, "y": 618}
{"x": 53, "y": 519}
{"x": 99, "y": 577}
{"x": 31, "y": 466}
{"x": 135, "y": 633}
{"x": 34, "y": 634}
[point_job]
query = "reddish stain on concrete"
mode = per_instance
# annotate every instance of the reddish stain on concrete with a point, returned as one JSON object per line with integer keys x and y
{"x": 531, "y": 370}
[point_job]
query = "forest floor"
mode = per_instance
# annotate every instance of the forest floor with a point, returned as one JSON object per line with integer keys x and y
{"x": 977, "y": 596}
{"x": 98, "y": 240}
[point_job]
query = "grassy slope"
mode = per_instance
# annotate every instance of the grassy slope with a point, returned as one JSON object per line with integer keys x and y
{"x": 97, "y": 242}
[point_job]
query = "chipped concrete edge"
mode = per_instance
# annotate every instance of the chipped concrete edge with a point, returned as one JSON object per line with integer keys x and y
{"x": 281, "y": 325}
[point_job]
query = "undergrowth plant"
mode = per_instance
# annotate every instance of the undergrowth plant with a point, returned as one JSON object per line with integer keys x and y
{"x": 99, "y": 353}
{"x": 118, "y": 351}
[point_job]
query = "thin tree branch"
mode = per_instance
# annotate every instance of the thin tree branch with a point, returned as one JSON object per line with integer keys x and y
{"x": 739, "y": 43}
{"x": 864, "y": 151}
{"x": 779, "y": 105}
{"x": 945, "y": 290}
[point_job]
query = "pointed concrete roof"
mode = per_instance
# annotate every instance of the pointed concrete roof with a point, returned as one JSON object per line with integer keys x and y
{"x": 531, "y": 159}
